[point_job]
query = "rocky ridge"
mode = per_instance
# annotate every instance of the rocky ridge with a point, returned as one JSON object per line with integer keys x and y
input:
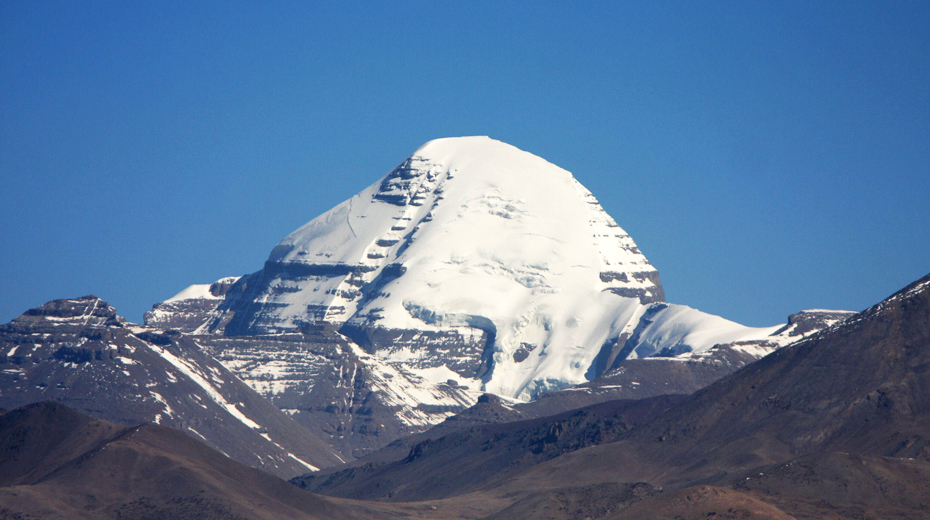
{"x": 80, "y": 353}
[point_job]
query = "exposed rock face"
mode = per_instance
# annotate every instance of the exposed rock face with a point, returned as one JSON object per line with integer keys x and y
{"x": 190, "y": 309}
{"x": 79, "y": 352}
{"x": 807, "y": 322}
{"x": 331, "y": 386}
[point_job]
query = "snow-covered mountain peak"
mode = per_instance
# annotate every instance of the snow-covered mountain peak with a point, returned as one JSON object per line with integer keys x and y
{"x": 467, "y": 232}
{"x": 471, "y": 267}
{"x": 478, "y": 203}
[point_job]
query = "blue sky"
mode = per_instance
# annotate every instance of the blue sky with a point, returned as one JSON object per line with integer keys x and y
{"x": 766, "y": 156}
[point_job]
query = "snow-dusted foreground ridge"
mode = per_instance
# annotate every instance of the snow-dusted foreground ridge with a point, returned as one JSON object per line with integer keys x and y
{"x": 473, "y": 262}
{"x": 80, "y": 353}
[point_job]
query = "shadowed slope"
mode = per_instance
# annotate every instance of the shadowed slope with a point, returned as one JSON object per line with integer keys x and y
{"x": 37, "y": 439}
{"x": 67, "y": 465}
{"x": 474, "y": 458}
{"x": 862, "y": 387}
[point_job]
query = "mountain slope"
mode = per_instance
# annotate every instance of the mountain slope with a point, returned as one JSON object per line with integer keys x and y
{"x": 859, "y": 387}
{"x": 38, "y": 439}
{"x": 330, "y": 385}
{"x": 474, "y": 458}
{"x": 79, "y": 352}
{"x": 57, "y": 463}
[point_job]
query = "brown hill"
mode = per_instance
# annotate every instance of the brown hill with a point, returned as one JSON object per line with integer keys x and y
{"x": 58, "y": 463}
{"x": 474, "y": 458}
{"x": 860, "y": 387}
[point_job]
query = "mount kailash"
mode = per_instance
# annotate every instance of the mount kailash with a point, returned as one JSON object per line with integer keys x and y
{"x": 471, "y": 267}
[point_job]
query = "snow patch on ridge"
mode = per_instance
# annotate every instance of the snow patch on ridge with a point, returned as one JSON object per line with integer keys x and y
{"x": 676, "y": 329}
{"x": 412, "y": 391}
{"x": 309, "y": 466}
{"x": 196, "y": 291}
{"x": 191, "y": 372}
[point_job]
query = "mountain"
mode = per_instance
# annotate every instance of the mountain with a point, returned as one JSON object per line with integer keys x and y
{"x": 80, "y": 353}
{"x": 56, "y": 463}
{"x": 470, "y": 250}
{"x": 834, "y": 425}
{"x": 472, "y": 267}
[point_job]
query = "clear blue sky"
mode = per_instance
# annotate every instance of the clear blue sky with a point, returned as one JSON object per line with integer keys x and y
{"x": 766, "y": 156}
